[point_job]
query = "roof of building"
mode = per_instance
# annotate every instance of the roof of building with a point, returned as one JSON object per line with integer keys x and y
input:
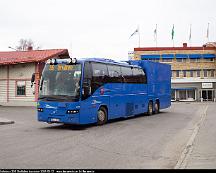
{"x": 16, "y": 57}
{"x": 172, "y": 48}
{"x": 185, "y": 47}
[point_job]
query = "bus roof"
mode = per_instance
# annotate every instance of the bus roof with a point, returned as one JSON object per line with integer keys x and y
{"x": 105, "y": 60}
{"x": 100, "y": 60}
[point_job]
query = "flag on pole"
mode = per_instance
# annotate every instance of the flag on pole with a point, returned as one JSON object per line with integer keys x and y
{"x": 207, "y": 33}
{"x": 155, "y": 33}
{"x": 136, "y": 31}
{"x": 190, "y": 33}
{"x": 173, "y": 32}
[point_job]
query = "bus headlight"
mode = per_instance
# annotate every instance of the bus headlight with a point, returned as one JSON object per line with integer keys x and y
{"x": 72, "y": 111}
{"x": 40, "y": 109}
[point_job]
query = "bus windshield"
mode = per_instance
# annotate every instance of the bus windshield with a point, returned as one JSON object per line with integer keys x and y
{"x": 60, "y": 82}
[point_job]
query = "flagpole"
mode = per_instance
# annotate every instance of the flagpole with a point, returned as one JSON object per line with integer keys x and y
{"x": 136, "y": 31}
{"x": 173, "y": 34}
{"x": 207, "y": 33}
{"x": 190, "y": 36}
{"x": 156, "y": 35}
{"x": 139, "y": 34}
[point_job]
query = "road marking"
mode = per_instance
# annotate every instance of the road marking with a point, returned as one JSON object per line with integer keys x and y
{"x": 183, "y": 160}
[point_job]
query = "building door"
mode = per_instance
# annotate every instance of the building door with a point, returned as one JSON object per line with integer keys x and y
{"x": 204, "y": 95}
{"x": 207, "y": 95}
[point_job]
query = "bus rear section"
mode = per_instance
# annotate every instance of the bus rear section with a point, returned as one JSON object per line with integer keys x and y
{"x": 159, "y": 82}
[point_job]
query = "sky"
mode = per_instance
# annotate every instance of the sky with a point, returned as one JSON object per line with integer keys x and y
{"x": 102, "y": 28}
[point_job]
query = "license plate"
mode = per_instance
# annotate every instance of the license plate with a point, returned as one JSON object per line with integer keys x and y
{"x": 55, "y": 120}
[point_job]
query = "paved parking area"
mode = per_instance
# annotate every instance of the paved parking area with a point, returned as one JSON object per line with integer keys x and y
{"x": 157, "y": 141}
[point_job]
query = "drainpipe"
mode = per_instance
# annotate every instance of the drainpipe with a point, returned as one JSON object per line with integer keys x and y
{"x": 7, "y": 83}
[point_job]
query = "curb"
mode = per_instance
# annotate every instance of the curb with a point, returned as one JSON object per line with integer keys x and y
{"x": 183, "y": 160}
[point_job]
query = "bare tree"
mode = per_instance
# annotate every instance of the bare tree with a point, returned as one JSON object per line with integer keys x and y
{"x": 25, "y": 44}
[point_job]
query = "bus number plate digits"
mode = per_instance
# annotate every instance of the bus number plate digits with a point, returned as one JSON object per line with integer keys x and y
{"x": 55, "y": 120}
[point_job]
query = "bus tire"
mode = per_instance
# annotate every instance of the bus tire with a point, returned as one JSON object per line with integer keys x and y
{"x": 102, "y": 116}
{"x": 150, "y": 108}
{"x": 157, "y": 107}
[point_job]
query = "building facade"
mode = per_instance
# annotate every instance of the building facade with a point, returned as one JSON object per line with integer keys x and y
{"x": 193, "y": 69}
{"x": 16, "y": 69}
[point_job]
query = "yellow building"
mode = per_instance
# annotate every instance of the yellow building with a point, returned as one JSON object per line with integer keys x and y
{"x": 193, "y": 69}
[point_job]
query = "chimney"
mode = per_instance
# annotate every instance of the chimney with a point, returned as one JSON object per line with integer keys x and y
{"x": 184, "y": 44}
{"x": 30, "y": 48}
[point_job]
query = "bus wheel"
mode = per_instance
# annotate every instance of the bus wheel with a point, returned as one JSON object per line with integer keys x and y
{"x": 102, "y": 116}
{"x": 150, "y": 108}
{"x": 156, "y": 107}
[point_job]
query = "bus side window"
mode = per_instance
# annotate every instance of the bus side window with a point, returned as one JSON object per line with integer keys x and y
{"x": 143, "y": 76}
{"x": 86, "y": 91}
{"x": 138, "y": 76}
{"x": 127, "y": 74}
{"x": 115, "y": 75}
{"x": 99, "y": 75}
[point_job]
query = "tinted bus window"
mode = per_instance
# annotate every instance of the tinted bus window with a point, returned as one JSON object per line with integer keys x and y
{"x": 138, "y": 75}
{"x": 143, "y": 78}
{"x": 87, "y": 71}
{"x": 127, "y": 74}
{"x": 99, "y": 75}
{"x": 114, "y": 74}
{"x": 86, "y": 92}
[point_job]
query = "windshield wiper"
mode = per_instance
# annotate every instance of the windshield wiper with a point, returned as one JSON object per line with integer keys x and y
{"x": 50, "y": 98}
{"x": 57, "y": 97}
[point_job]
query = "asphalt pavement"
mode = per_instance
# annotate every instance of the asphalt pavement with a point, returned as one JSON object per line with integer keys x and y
{"x": 182, "y": 137}
{"x": 4, "y": 121}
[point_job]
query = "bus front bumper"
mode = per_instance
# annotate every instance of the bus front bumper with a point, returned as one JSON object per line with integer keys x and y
{"x": 55, "y": 113}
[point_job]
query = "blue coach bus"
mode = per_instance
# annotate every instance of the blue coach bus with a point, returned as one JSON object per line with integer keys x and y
{"x": 97, "y": 90}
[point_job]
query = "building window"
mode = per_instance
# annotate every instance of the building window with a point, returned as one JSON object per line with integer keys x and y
{"x": 191, "y": 73}
{"x": 153, "y": 59}
{"x": 184, "y": 73}
{"x": 173, "y": 94}
{"x": 212, "y": 72}
{"x": 173, "y": 74}
{"x": 198, "y": 73}
{"x": 182, "y": 94}
{"x": 208, "y": 60}
{"x": 188, "y": 94}
{"x": 181, "y": 59}
{"x": 177, "y": 73}
{"x": 167, "y": 60}
{"x": 205, "y": 73}
{"x": 20, "y": 88}
{"x": 194, "y": 60}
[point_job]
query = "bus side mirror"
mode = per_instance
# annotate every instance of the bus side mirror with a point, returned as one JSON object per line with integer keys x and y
{"x": 32, "y": 79}
{"x": 86, "y": 91}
